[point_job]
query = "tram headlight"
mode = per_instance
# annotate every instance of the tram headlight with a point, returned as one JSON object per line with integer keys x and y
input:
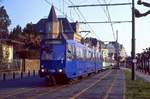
{"x": 60, "y": 70}
{"x": 42, "y": 70}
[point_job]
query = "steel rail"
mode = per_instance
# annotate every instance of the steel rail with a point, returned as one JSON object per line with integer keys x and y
{"x": 85, "y": 89}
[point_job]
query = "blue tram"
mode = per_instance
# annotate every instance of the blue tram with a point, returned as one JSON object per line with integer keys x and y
{"x": 62, "y": 60}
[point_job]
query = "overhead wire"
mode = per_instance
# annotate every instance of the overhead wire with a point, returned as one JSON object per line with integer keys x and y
{"x": 107, "y": 15}
{"x": 87, "y": 24}
{"x": 58, "y": 9}
{"x": 103, "y": 9}
{"x": 85, "y": 21}
{"x": 109, "y": 19}
{"x": 62, "y": 12}
{"x": 76, "y": 13}
{"x": 74, "y": 10}
{"x": 130, "y": 5}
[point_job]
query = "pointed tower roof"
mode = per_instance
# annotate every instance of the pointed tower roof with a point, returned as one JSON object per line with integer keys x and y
{"x": 52, "y": 15}
{"x": 62, "y": 35}
{"x": 67, "y": 28}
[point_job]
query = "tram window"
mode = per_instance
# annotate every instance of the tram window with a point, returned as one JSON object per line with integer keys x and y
{"x": 84, "y": 54}
{"x": 81, "y": 52}
{"x": 46, "y": 54}
{"x": 88, "y": 54}
{"x": 94, "y": 55}
{"x": 58, "y": 52}
{"x": 91, "y": 55}
{"x": 78, "y": 52}
{"x": 98, "y": 56}
{"x": 70, "y": 52}
{"x": 73, "y": 51}
{"x": 55, "y": 52}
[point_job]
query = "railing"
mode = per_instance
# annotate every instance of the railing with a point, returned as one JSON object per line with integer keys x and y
{"x": 15, "y": 65}
{"x": 17, "y": 75}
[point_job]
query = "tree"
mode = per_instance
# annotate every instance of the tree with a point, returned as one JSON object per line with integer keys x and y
{"x": 32, "y": 37}
{"x": 4, "y": 23}
{"x": 94, "y": 41}
{"x": 29, "y": 31}
{"x": 16, "y": 33}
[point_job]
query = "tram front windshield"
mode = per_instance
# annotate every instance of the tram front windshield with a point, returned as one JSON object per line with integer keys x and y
{"x": 53, "y": 52}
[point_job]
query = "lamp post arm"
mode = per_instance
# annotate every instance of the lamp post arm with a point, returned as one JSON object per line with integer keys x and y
{"x": 138, "y": 14}
{"x": 146, "y": 4}
{"x": 143, "y": 3}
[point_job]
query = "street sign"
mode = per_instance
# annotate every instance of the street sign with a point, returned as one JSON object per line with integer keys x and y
{"x": 134, "y": 60}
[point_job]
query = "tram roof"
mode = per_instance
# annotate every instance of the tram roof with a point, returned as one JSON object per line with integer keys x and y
{"x": 75, "y": 42}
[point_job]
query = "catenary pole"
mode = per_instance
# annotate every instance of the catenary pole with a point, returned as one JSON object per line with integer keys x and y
{"x": 117, "y": 49}
{"x": 133, "y": 43}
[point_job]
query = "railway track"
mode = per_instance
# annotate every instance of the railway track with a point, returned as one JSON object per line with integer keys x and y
{"x": 106, "y": 87}
{"x": 93, "y": 84}
{"x": 98, "y": 86}
{"x": 74, "y": 83}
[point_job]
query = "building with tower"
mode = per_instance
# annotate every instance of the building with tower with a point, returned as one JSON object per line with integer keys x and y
{"x": 57, "y": 28}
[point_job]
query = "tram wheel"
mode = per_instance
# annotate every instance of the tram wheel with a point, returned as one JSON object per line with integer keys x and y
{"x": 50, "y": 80}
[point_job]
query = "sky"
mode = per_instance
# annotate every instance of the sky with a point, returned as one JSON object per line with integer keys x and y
{"x": 22, "y": 12}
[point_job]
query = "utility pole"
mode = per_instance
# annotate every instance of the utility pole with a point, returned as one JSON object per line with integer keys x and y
{"x": 133, "y": 42}
{"x": 117, "y": 51}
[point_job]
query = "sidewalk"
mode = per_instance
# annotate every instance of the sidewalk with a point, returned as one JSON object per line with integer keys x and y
{"x": 144, "y": 76}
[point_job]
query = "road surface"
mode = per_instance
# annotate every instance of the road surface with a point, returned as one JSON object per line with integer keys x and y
{"x": 108, "y": 84}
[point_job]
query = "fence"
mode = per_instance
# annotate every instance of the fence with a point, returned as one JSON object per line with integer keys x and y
{"x": 15, "y": 65}
{"x": 19, "y": 68}
{"x": 17, "y": 75}
{"x": 24, "y": 65}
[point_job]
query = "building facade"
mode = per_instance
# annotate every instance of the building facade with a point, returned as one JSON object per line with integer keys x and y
{"x": 57, "y": 28}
